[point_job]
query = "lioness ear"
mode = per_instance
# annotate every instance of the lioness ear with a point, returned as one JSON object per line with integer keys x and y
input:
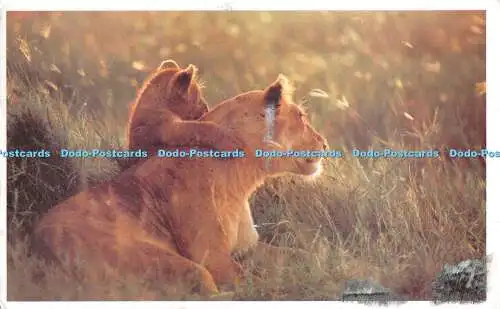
{"x": 182, "y": 80}
{"x": 274, "y": 92}
{"x": 168, "y": 63}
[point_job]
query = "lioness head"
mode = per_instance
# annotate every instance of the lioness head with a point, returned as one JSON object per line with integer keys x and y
{"x": 176, "y": 89}
{"x": 290, "y": 130}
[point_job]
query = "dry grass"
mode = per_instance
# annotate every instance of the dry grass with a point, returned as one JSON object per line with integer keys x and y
{"x": 399, "y": 80}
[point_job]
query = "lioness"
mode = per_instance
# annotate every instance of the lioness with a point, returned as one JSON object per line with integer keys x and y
{"x": 183, "y": 218}
{"x": 165, "y": 111}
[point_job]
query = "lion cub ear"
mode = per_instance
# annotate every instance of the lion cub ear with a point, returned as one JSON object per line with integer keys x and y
{"x": 165, "y": 64}
{"x": 275, "y": 92}
{"x": 183, "y": 79}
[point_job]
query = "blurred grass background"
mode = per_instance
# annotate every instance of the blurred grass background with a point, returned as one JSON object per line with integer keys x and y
{"x": 406, "y": 80}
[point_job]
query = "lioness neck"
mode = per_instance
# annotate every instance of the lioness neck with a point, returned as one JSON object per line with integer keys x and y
{"x": 246, "y": 174}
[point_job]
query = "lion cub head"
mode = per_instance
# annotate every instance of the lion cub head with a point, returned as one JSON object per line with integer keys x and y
{"x": 176, "y": 89}
{"x": 290, "y": 128}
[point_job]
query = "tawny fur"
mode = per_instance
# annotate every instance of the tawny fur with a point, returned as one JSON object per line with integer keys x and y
{"x": 183, "y": 219}
{"x": 165, "y": 113}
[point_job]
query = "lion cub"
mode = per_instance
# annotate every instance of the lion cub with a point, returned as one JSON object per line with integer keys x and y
{"x": 165, "y": 112}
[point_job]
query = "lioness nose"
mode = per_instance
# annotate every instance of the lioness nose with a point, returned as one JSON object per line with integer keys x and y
{"x": 325, "y": 145}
